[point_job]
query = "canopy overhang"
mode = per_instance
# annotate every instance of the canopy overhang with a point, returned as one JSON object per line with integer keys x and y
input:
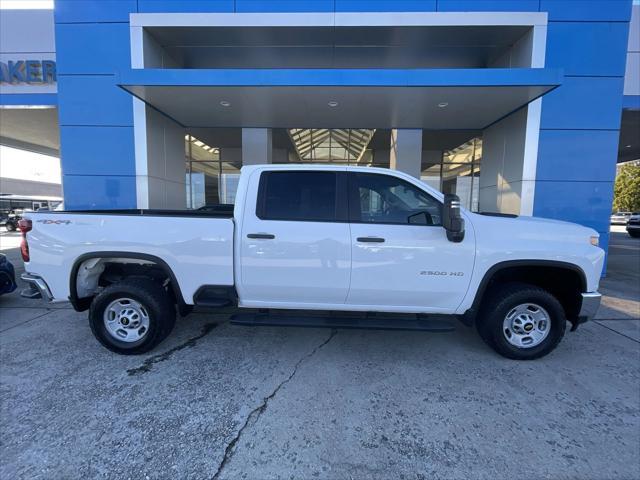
{"x": 436, "y": 99}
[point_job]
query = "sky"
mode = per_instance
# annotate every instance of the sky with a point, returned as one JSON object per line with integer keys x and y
{"x": 26, "y": 4}
{"x": 25, "y": 165}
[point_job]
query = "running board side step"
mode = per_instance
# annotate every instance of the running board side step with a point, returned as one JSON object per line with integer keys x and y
{"x": 377, "y": 322}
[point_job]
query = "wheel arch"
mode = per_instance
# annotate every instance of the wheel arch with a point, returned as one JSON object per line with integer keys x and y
{"x": 82, "y": 304}
{"x": 521, "y": 270}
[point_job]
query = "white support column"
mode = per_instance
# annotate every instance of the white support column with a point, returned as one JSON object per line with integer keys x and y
{"x": 257, "y": 146}
{"x": 406, "y": 151}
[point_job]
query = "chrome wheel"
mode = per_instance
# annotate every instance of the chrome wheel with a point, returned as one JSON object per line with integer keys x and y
{"x": 126, "y": 320}
{"x": 526, "y": 325}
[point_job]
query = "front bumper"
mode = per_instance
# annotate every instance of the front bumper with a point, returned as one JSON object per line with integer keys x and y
{"x": 37, "y": 288}
{"x": 590, "y": 305}
{"x": 588, "y": 308}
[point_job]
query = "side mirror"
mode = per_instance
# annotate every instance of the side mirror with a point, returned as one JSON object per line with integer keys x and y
{"x": 452, "y": 221}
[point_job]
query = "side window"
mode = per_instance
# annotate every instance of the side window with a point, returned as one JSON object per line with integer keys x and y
{"x": 297, "y": 196}
{"x": 376, "y": 198}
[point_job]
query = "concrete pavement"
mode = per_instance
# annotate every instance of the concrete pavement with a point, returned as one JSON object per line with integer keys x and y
{"x": 223, "y": 401}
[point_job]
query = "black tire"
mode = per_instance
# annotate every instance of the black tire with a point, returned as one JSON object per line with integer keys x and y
{"x": 10, "y": 227}
{"x": 155, "y": 300}
{"x": 634, "y": 234}
{"x": 501, "y": 301}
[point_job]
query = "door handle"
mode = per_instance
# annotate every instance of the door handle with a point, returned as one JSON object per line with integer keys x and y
{"x": 370, "y": 239}
{"x": 264, "y": 236}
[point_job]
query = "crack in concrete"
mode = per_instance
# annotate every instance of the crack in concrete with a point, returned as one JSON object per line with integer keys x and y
{"x": 597, "y": 322}
{"x": 255, "y": 414}
{"x": 27, "y": 321}
{"x": 161, "y": 357}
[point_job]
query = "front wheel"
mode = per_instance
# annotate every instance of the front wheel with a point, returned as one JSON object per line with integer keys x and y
{"x": 132, "y": 316}
{"x": 521, "y": 321}
{"x": 10, "y": 226}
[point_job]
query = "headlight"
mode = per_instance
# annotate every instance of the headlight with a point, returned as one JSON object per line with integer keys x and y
{"x": 595, "y": 240}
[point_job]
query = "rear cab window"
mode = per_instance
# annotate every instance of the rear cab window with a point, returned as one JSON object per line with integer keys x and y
{"x": 304, "y": 195}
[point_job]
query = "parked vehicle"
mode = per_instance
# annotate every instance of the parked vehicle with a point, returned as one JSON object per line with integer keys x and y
{"x": 620, "y": 218}
{"x": 12, "y": 218}
{"x": 11, "y": 222}
{"x": 312, "y": 237}
{"x": 7, "y": 275}
{"x": 633, "y": 225}
{"x": 221, "y": 208}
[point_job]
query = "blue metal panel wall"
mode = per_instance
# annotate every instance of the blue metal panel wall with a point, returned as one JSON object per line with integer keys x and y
{"x": 99, "y": 48}
{"x": 177, "y": 6}
{"x": 284, "y": 6}
{"x": 581, "y": 120}
{"x": 96, "y": 117}
{"x": 587, "y": 10}
{"x": 386, "y": 5}
{"x": 74, "y": 11}
{"x": 488, "y": 5}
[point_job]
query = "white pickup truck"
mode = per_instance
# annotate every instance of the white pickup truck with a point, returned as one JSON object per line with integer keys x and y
{"x": 319, "y": 238}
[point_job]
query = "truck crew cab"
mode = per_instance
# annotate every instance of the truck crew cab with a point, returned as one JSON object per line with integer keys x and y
{"x": 319, "y": 237}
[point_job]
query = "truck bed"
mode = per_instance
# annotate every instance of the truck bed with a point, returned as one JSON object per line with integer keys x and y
{"x": 196, "y": 245}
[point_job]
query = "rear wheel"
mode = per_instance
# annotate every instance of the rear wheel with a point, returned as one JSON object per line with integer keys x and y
{"x": 522, "y": 321}
{"x": 132, "y": 316}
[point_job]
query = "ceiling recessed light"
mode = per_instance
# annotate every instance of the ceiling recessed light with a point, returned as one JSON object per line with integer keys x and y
{"x": 224, "y": 103}
{"x": 332, "y": 103}
{"x": 443, "y": 104}
{"x": 627, "y": 146}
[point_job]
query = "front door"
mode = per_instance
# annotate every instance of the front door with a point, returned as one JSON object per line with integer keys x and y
{"x": 295, "y": 246}
{"x": 401, "y": 257}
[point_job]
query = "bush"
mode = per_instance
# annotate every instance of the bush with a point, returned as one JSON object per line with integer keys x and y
{"x": 626, "y": 191}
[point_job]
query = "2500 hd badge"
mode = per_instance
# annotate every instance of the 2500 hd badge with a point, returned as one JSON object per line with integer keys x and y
{"x": 437, "y": 273}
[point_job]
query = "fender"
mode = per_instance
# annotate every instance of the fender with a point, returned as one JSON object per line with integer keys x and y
{"x": 468, "y": 317}
{"x": 82, "y": 304}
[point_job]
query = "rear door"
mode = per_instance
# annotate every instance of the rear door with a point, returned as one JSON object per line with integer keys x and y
{"x": 295, "y": 242}
{"x": 401, "y": 257}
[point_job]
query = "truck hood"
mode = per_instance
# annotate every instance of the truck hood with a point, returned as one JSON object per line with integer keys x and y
{"x": 540, "y": 227}
{"x": 547, "y": 221}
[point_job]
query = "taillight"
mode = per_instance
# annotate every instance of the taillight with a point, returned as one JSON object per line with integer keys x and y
{"x": 25, "y": 226}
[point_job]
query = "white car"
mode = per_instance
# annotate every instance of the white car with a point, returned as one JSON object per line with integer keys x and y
{"x": 320, "y": 238}
{"x": 620, "y": 218}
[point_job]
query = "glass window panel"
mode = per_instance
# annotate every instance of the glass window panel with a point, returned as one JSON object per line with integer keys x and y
{"x": 322, "y": 153}
{"x": 475, "y": 191}
{"x": 332, "y": 145}
{"x": 200, "y": 151}
{"x": 307, "y": 196}
{"x": 478, "y": 153}
{"x": 203, "y": 184}
{"x": 430, "y": 175}
{"x": 386, "y": 199}
{"x": 210, "y": 181}
{"x": 457, "y": 178}
{"x": 465, "y": 153}
{"x": 228, "y": 186}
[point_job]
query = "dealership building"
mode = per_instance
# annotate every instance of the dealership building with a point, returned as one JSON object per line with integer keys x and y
{"x": 517, "y": 106}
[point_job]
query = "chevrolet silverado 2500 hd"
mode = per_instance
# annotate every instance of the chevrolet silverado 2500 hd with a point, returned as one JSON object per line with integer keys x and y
{"x": 316, "y": 237}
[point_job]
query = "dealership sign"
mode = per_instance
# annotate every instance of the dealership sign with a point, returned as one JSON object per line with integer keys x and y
{"x": 30, "y": 72}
